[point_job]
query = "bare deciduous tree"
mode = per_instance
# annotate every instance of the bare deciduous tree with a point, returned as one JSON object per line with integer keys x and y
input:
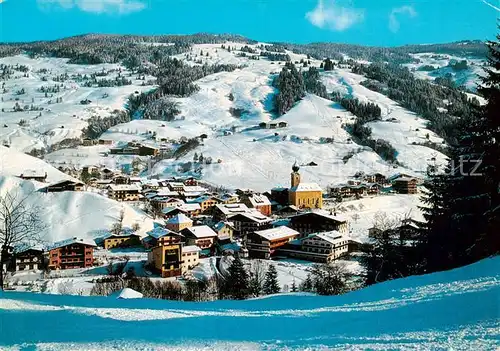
{"x": 117, "y": 227}
{"x": 20, "y": 223}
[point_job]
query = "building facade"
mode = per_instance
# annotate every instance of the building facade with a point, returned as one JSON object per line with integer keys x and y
{"x": 72, "y": 253}
{"x": 124, "y": 192}
{"x": 166, "y": 257}
{"x": 317, "y": 222}
{"x": 264, "y": 243}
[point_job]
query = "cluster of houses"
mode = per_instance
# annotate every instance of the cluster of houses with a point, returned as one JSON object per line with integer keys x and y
{"x": 192, "y": 222}
{"x": 374, "y": 184}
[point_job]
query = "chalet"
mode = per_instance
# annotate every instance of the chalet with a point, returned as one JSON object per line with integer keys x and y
{"x": 264, "y": 243}
{"x": 159, "y": 203}
{"x": 191, "y": 181}
{"x": 376, "y": 178}
{"x": 205, "y": 202}
{"x": 191, "y": 209}
{"x": 259, "y": 202}
{"x": 121, "y": 179}
{"x": 72, "y": 253}
{"x": 65, "y": 185}
{"x": 224, "y": 229}
{"x": 178, "y": 223}
{"x": 224, "y": 211}
{"x": 273, "y": 125}
{"x": 190, "y": 257}
{"x": 248, "y": 222}
{"x": 103, "y": 184}
{"x": 317, "y": 222}
{"x": 151, "y": 239}
{"x": 124, "y": 239}
{"x": 88, "y": 142}
{"x": 134, "y": 149}
{"x": 105, "y": 142}
{"x": 176, "y": 186}
{"x": 405, "y": 185}
{"x": 166, "y": 256}
{"x": 227, "y": 198}
{"x": 124, "y": 192}
{"x": 145, "y": 150}
{"x": 90, "y": 169}
{"x": 319, "y": 247}
{"x": 27, "y": 258}
{"x": 287, "y": 211}
{"x": 151, "y": 184}
{"x": 202, "y": 236}
{"x": 169, "y": 212}
{"x": 106, "y": 173}
{"x": 31, "y": 174}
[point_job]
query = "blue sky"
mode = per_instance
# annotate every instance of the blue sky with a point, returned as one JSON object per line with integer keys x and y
{"x": 367, "y": 22}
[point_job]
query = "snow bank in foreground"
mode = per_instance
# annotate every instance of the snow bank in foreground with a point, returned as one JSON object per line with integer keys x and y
{"x": 456, "y": 310}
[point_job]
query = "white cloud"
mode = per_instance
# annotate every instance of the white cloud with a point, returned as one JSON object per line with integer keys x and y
{"x": 334, "y": 17}
{"x": 393, "y": 17}
{"x": 96, "y": 6}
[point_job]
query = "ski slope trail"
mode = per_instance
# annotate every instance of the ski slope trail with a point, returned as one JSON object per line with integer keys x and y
{"x": 457, "y": 310}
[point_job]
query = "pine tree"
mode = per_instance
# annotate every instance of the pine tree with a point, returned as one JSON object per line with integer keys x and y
{"x": 462, "y": 206}
{"x": 307, "y": 284}
{"x": 237, "y": 282}
{"x": 293, "y": 288}
{"x": 195, "y": 157}
{"x": 271, "y": 285}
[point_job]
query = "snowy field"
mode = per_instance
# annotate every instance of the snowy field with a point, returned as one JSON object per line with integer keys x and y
{"x": 63, "y": 120}
{"x": 454, "y": 310}
{"x": 468, "y": 77}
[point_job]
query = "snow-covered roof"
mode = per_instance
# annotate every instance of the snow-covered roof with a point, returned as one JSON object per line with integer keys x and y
{"x": 259, "y": 200}
{"x": 277, "y": 233}
{"x": 158, "y": 232}
{"x": 306, "y": 187}
{"x": 127, "y": 293}
{"x": 193, "y": 188}
{"x": 223, "y": 224}
{"x": 124, "y": 187}
{"x": 201, "y": 199}
{"x": 255, "y": 216}
{"x": 201, "y": 231}
{"x": 167, "y": 210}
{"x": 188, "y": 207}
{"x": 123, "y": 234}
{"x": 26, "y": 246}
{"x": 72, "y": 241}
{"x": 325, "y": 214}
{"x": 190, "y": 248}
{"x": 332, "y": 237}
{"x": 231, "y": 209}
{"x": 33, "y": 173}
{"x": 175, "y": 184}
{"x": 179, "y": 218}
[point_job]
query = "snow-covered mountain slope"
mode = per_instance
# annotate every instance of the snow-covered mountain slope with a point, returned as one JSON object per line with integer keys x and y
{"x": 14, "y": 163}
{"x": 61, "y": 120}
{"x": 442, "y": 66}
{"x": 72, "y": 213}
{"x": 455, "y": 310}
{"x": 249, "y": 156}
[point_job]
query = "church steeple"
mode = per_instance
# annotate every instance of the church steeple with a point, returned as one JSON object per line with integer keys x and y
{"x": 295, "y": 176}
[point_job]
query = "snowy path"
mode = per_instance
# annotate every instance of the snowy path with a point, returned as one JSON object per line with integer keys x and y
{"x": 456, "y": 309}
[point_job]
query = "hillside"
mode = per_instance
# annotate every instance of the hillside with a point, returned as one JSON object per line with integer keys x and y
{"x": 227, "y": 108}
{"x": 456, "y": 310}
{"x": 68, "y": 214}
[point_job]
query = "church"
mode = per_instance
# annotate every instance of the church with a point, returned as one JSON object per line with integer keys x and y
{"x": 304, "y": 195}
